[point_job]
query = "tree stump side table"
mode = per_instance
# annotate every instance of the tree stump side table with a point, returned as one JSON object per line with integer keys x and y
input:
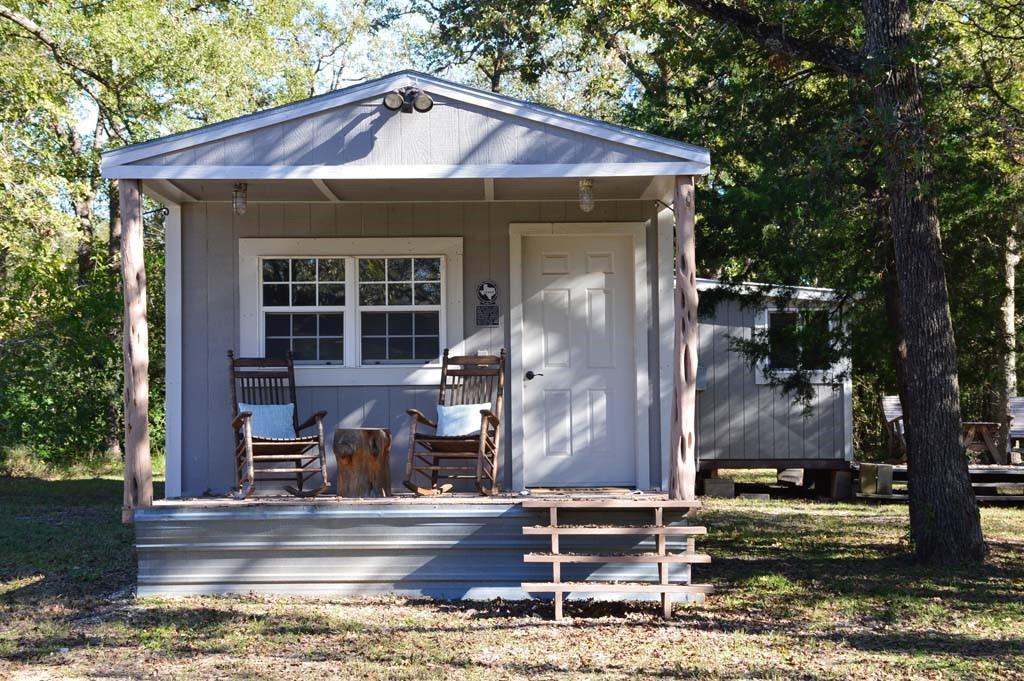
{"x": 364, "y": 462}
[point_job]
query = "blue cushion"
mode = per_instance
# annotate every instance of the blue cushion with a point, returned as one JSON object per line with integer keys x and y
{"x": 460, "y": 420}
{"x": 271, "y": 420}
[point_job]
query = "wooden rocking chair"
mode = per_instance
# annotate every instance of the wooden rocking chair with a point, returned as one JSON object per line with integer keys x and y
{"x": 260, "y": 381}
{"x": 464, "y": 380}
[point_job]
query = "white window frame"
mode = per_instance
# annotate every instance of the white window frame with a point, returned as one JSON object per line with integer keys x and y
{"x": 250, "y": 327}
{"x": 824, "y": 377}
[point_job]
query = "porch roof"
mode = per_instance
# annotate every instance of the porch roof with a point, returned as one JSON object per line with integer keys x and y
{"x": 346, "y": 146}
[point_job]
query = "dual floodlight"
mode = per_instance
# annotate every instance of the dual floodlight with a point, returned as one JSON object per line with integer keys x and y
{"x": 408, "y": 99}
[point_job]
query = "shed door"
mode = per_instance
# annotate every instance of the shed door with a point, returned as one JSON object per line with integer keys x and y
{"x": 578, "y": 327}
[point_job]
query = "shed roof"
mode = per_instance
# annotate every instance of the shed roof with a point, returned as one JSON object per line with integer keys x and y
{"x": 348, "y": 135}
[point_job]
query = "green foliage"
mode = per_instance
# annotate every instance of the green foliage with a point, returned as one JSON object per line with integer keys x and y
{"x": 795, "y": 193}
{"x": 75, "y": 80}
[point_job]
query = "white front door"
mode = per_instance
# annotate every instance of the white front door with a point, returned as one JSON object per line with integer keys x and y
{"x": 578, "y": 344}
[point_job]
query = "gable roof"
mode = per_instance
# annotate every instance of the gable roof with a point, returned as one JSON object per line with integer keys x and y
{"x": 654, "y": 155}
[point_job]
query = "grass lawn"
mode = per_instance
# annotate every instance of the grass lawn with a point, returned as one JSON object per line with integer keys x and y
{"x": 805, "y": 590}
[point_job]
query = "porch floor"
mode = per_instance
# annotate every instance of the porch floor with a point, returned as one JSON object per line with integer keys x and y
{"x": 617, "y": 495}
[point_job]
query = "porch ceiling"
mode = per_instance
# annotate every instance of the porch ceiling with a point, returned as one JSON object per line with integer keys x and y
{"x": 407, "y": 190}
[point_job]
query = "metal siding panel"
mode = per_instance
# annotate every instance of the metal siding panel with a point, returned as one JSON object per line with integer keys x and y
{"x": 447, "y": 551}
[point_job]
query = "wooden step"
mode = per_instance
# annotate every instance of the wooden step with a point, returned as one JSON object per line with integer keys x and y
{"x": 624, "y": 587}
{"x": 284, "y": 457}
{"x": 610, "y": 558}
{"x": 639, "y": 502}
{"x": 686, "y": 530}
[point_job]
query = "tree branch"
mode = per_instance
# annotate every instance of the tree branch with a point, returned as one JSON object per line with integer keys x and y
{"x": 42, "y": 36}
{"x": 774, "y": 38}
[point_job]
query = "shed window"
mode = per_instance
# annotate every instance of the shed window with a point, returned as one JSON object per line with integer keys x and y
{"x": 798, "y": 338}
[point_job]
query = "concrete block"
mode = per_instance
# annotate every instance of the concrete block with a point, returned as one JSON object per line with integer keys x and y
{"x": 875, "y": 478}
{"x": 721, "y": 488}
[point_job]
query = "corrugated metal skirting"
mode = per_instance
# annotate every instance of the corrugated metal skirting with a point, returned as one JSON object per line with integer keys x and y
{"x": 449, "y": 551}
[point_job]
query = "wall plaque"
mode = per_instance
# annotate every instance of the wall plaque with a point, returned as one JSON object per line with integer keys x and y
{"x": 487, "y": 313}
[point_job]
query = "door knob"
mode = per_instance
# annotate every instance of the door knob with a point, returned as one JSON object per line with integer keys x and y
{"x": 530, "y": 375}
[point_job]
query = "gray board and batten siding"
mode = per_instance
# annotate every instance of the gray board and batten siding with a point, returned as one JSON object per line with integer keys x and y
{"x": 737, "y": 419}
{"x": 365, "y": 133}
{"x": 745, "y": 423}
{"x": 210, "y": 312}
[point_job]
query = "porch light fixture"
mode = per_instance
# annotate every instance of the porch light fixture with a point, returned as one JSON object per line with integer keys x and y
{"x": 239, "y": 196}
{"x": 586, "y": 195}
{"x": 408, "y": 99}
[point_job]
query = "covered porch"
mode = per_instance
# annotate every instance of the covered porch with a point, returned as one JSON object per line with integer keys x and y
{"x": 503, "y": 194}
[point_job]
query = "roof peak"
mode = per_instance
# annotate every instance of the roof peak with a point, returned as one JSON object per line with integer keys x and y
{"x": 434, "y": 84}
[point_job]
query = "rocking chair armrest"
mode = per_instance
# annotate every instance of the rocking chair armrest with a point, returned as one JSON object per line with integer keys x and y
{"x": 312, "y": 420}
{"x": 417, "y": 415}
{"x": 488, "y": 415}
{"x": 240, "y": 419}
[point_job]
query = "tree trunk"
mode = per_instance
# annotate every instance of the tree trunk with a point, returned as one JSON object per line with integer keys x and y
{"x": 944, "y": 521}
{"x": 363, "y": 457}
{"x": 1006, "y": 381}
{"x": 138, "y": 471}
{"x": 682, "y": 476}
{"x": 114, "y": 238}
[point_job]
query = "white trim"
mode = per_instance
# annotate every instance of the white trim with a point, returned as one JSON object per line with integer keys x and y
{"x": 848, "y": 413}
{"x": 326, "y": 191}
{"x": 404, "y": 172}
{"x": 772, "y": 290}
{"x": 761, "y": 326}
{"x": 666, "y": 329}
{"x": 172, "y": 351}
{"x": 375, "y": 88}
{"x": 250, "y": 250}
{"x": 641, "y": 293}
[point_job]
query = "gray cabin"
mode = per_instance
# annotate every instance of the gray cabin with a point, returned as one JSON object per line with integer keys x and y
{"x": 364, "y": 232}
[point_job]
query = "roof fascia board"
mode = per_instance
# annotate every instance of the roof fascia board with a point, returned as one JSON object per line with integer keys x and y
{"x": 256, "y": 121}
{"x": 406, "y": 172}
{"x": 356, "y": 93}
{"x": 590, "y": 127}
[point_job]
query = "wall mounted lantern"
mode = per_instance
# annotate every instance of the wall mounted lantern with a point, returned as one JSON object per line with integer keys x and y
{"x": 408, "y": 99}
{"x": 586, "y": 193}
{"x": 239, "y": 196}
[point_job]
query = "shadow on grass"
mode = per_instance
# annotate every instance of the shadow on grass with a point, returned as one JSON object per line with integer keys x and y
{"x": 63, "y": 538}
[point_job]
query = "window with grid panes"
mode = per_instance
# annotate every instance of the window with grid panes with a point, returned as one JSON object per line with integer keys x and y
{"x": 303, "y": 308}
{"x": 400, "y": 302}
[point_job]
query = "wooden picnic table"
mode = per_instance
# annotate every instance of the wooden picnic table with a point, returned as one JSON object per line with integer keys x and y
{"x": 980, "y": 436}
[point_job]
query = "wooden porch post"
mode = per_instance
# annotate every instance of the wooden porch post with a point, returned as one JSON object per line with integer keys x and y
{"x": 138, "y": 472}
{"x": 682, "y": 477}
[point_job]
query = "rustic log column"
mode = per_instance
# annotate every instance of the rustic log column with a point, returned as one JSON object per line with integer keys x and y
{"x": 138, "y": 471}
{"x": 682, "y": 477}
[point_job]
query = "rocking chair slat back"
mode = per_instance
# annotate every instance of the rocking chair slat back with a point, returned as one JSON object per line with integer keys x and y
{"x": 467, "y": 379}
{"x": 263, "y": 381}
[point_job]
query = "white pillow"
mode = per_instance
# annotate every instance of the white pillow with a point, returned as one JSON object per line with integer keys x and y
{"x": 271, "y": 420}
{"x": 460, "y": 420}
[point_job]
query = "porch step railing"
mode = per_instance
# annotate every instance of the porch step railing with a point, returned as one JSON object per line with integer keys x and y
{"x": 608, "y": 512}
